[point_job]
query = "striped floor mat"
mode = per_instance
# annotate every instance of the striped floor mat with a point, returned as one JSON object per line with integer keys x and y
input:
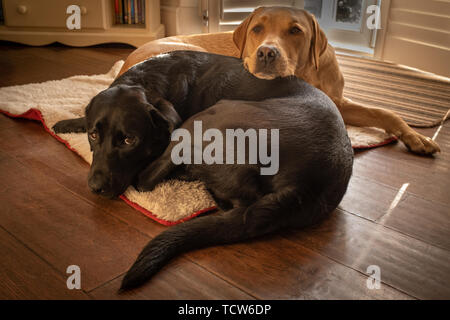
{"x": 421, "y": 98}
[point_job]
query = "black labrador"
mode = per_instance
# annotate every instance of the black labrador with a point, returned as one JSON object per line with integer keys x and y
{"x": 130, "y": 125}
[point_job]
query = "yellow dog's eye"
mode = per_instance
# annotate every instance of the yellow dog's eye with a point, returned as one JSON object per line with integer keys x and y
{"x": 257, "y": 29}
{"x": 295, "y": 30}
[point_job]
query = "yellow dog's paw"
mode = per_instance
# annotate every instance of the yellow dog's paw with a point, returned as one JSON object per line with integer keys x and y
{"x": 420, "y": 144}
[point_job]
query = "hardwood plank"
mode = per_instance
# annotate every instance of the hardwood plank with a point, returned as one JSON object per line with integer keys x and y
{"x": 422, "y": 219}
{"x": 180, "y": 279}
{"x": 277, "y": 268}
{"x": 6, "y": 122}
{"x": 428, "y": 177}
{"x": 24, "y": 275}
{"x": 62, "y": 228}
{"x": 367, "y": 198}
{"x": 439, "y": 161}
{"x": 413, "y": 216}
{"x": 22, "y": 64}
{"x": 409, "y": 265}
{"x": 428, "y": 184}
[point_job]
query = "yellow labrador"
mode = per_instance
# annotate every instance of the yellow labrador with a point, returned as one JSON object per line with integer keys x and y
{"x": 282, "y": 41}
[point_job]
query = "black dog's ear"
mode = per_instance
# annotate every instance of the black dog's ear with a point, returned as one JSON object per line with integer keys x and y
{"x": 161, "y": 127}
{"x": 167, "y": 112}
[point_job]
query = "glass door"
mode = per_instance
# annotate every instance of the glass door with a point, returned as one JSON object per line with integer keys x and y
{"x": 344, "y": 22}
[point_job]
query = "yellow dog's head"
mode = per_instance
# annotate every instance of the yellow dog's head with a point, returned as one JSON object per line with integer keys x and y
{"x": 278, "y": 41}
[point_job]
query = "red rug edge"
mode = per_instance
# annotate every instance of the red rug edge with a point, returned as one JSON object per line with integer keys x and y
{"x": 35, "y": 114}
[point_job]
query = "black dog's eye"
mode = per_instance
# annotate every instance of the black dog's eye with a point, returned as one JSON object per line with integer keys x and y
{"x": 93, "y": 135}
{"x": 295, "y": 30}
{"x": 129, "y": 140}
{"x": 257, "y": 29}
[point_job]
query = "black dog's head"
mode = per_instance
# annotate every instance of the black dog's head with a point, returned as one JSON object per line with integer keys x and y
{"x": 125, "y": 133}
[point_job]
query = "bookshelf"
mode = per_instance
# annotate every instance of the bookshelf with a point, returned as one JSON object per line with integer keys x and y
{"x": 42, "y": 22}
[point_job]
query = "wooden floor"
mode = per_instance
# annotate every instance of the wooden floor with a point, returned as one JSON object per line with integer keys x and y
{"x": 49, "y": 220}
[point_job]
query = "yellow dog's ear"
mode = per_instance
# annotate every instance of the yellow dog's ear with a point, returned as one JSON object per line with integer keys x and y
{"x": 240, "y": 33}
{"x": 319, "y": 42}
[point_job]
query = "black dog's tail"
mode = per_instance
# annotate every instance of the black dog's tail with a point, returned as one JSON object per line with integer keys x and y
{"x": 266, "y": 215}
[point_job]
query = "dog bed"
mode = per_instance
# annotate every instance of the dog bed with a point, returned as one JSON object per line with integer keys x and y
{"x": 171, "y": 202}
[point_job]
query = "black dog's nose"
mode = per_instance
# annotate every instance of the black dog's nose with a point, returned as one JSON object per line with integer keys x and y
{"x": 96, "y": 184}
{"x": 267, "y": 53}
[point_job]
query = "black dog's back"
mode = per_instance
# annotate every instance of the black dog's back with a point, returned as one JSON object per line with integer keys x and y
{"x": 315, "y": 153}
{"x": 193, "y": 81}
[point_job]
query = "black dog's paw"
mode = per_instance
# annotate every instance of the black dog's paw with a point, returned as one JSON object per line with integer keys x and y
{"x": 144, "y": 183}
{"x": 151, "y": 176}
{"x": 70, "y": 126}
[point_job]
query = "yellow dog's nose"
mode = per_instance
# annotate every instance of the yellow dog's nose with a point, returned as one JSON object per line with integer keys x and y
{"x": 267, "y": 53}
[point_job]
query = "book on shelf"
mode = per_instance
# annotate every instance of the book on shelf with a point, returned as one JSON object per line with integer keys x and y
{"x": 129, "y": 11}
